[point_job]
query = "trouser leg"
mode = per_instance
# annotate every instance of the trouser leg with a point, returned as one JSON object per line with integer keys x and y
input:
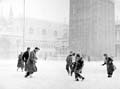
{"x": 76, "y": 77}
{"x": 67, "y": 68}
{"x": 80, "y": 76}
{"x": 25, "y": 66}
{"x": 72, "y": 69}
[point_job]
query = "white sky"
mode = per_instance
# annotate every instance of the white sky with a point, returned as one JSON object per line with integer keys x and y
{"x": 53, "y": 10}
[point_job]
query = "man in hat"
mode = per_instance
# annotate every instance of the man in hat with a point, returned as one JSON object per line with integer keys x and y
{"x": 31, "y": 63}
{"x": 69, "y": 62}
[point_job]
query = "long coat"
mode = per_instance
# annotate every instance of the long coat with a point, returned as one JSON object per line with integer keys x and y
{"x": 20, "y": 61}
{"x": 79, "y": 65}
{"x": 69, "y": 63}
{"x": 69, "y": 59}
{"x": 31, "y": 63}
{"x": 25, "y": 56}
{"x": 110, "y": 65}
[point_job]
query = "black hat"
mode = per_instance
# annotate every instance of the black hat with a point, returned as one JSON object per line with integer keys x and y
{"x": 28, "y": 48}
{"x": 73, "y": 54}
{"x": 77, "y": 55}
{"x": 105, "y": 54}
{"x": 37, "y": 48}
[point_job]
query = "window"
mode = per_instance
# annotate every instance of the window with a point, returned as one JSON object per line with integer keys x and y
{"x": 65, "y": 35}
{"x": 31, "y": 30}
{"x": 55, "y": 33}
{"x": 44, "y": 32}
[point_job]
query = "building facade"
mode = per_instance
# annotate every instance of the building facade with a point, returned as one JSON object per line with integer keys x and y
{"x": 48, "y": 36}
{"x": 16, "y": 34}
{"x": 92, "y": 27}
{"x": 117, "y": 45}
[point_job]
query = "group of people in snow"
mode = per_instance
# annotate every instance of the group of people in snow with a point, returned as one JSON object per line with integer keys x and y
{"x": 27, "y": 61}
{"x": 75, "y": 63}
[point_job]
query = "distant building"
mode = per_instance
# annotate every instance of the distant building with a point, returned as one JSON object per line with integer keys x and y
{"x": 92, "y": 29}
{"x": 39, "y": 33}
{"x": 47, "y": 35}
{"x": 117, "y": 45}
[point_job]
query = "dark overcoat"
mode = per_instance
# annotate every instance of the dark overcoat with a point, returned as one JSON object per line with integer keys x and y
{"x": 31, "y": 63}
{"x": 79, "y": 65}
{"x": 110, "y": 66}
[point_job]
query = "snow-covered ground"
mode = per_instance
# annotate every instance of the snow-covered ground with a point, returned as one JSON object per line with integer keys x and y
{"x": 52, "y": 75}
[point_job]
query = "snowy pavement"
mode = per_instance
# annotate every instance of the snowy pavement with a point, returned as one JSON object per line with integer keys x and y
{"x": 52, "y": 75}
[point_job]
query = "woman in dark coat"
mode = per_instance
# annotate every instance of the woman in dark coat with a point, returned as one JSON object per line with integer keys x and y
{"x": 20, "y": 62}
{"x": 78, "y": 68}
{"x": 31, "y": 63}
{"x": 110, "y": 66}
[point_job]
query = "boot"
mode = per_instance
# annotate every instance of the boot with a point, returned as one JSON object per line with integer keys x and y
{"x": 76, "y": 79}
{"x": 27, "y": 74}
{"x": 83, "y": 78}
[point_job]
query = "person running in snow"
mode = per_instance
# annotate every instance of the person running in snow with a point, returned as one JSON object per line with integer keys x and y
{"x": 20, "y": 62}
{"x": 78, "y": 68}
{"x": 110, "y": 66}
{"x": 73, "y": 63}
{"x": 69, "y": 63}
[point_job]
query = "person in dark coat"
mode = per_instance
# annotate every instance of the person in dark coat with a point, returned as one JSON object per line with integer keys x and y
{"x": 73, "y": 63}
{"x": 78, "y": 68}
{"x": 31, "y": 63}
{"x": 20, "y": 62}
{"x": 69, "y": 63}
{"x": 26, "y": 56}
{"x": 110, "y": 66}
